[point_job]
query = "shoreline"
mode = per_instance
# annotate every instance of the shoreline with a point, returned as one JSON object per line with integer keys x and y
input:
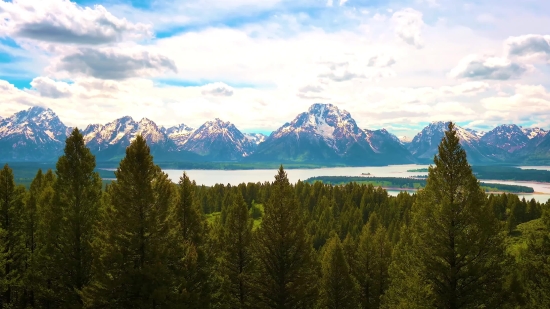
{"x": 487, "y": 192}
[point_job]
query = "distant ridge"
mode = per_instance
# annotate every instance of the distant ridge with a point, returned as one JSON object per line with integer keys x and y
{"x": 324, "y": 134}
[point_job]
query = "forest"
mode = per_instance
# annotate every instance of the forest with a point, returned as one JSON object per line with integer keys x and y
{"x": 411, "y": 183}
{"x": 142, "y": 241}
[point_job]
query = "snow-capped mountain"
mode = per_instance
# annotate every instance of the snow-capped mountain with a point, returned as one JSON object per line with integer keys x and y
{"x": 178, "y": 134}
{"x": 256, "y": 138}
{"x": 475, "y": 132}
{"x": 508, "y": 137}
{"x": 424, "y": 144}
{"x": 219, "y": 140}
{"x": 109, "y": 141}
{"x": 35, "y": 134}
{"x": 386, "y": 143}
{"x": 534, "y": 134}
{"x": 322, "y": 134}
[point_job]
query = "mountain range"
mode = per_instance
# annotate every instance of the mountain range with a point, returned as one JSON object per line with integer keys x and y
{"x": 324, "y": 134}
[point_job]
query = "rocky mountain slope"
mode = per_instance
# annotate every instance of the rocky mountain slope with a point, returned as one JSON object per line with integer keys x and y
{"x": 324, "y": 134}
{"x": 424, "y": 145}
{"x": 31, "y": 135}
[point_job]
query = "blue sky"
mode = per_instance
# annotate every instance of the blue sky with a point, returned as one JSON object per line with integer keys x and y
{"x": 392, "y": 64}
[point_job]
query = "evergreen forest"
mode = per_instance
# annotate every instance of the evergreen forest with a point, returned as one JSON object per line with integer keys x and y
{"x": 143, "y": 241}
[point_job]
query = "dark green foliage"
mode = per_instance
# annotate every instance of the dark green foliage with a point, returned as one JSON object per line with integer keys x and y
{"x": 190, "y": 230}
{"x": 78, "y": 195}
{"x": 371, "y": 263}
{"x": 456, "y": 247}
{"x": 410, "y": 183}
{"x": 286, "y": 269}
{"x": 12, "y": 241}
{"x": 133, "y": 248}
{"x": 510, "y": 173}
{"x": 236, "y": 264}
{"x": 338, "y": 289}
{"x": 156, "y": 244}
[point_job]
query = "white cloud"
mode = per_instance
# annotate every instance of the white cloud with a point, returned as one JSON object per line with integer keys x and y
{"x": 290, "y": 60}
{"x": 217, "y": 89}
{"x": 408, "y": 25}
{"x": 342, "y": 2}
{"x": 527, "y": 102}
{"x": 62, "y": 21}
{"x": 382, "y": 60}
{"x": 111, "y": 63}
{"x": 47, "y": 87}
{"x": 488, "y": 67}
{"x": 329, "y": 3}
{"x": 529, "y": 46}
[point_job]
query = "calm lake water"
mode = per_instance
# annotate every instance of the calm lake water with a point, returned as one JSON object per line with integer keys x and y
{"x": 235, "y": 177}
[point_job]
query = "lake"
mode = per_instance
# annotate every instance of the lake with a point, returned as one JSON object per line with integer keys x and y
{"x": 235, "y": 177}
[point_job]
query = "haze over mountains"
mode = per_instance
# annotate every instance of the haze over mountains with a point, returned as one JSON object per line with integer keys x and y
{"x": 324, "y": 134}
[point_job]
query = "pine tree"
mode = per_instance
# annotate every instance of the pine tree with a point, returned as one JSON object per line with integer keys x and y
{"x": 133, "y": 248}
{"x": 372, "y": 261}
{"x": 535, "y": 266}
{"x": 13, "y": 241}
{"x": 286, "y": 271}
{"x": 236, "y": 258}
{"x": 31, "y": 226}
{"x": 78, "y": 193}
{"x": 456, "y": 241}
{"x": 190, "y": 230}
{"x": 338, "y": 289}
{"x": 47, "y": 241}
{"x": 408, "y": 288}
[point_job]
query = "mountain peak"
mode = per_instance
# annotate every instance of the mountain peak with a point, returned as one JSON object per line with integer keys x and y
{"x": 37, "y": 132}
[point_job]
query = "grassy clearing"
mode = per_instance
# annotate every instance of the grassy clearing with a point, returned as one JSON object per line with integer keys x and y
{"x": 211, "y": 218}
{"x": 518, "y": 239}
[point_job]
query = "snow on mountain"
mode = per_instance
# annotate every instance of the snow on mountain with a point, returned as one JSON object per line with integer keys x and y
{"x": 476, "y": 133}
{"x": 219, "y": 140}
{"x": 382, "y": 133}
{"x": 326, "y": 122}
{"x": 324, "y": 133}
{"x": 508, "y": 137}
{"x": 110, "y": 140}
{"x": 424, "y": 144}
{"x": 255, "y": 138}
{"x": 33, "y": 134}
{"x": 388, "y": 145}
{"x": 534, "y": 133}
{"x": 179, "y": 134}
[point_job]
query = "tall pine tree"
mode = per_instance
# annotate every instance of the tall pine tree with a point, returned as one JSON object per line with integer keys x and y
{"x": 372, "y": 261}
{"x": 236, "y": 260}
{"x": 133, "y": 247}
{"x": 31, "y": 238}
{"x": 47, "y": 254}
{"x": 190, "y": 232}
{"x": 78, "y": 193}
{"x": 13, "y": 240}
{"x": 338, "y": 288}
{"x": 286, "y": 274}
{"x": 456, "y": 239}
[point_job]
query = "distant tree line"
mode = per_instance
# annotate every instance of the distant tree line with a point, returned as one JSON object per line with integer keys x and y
{"x": 145, "y": 242}
{"x": 411, "y": 183}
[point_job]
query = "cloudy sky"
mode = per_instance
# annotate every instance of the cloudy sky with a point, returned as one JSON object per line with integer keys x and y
{"x": 392, "y": 64}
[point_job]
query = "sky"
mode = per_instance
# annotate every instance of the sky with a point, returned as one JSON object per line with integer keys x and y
{"x": 392, "y": 64}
